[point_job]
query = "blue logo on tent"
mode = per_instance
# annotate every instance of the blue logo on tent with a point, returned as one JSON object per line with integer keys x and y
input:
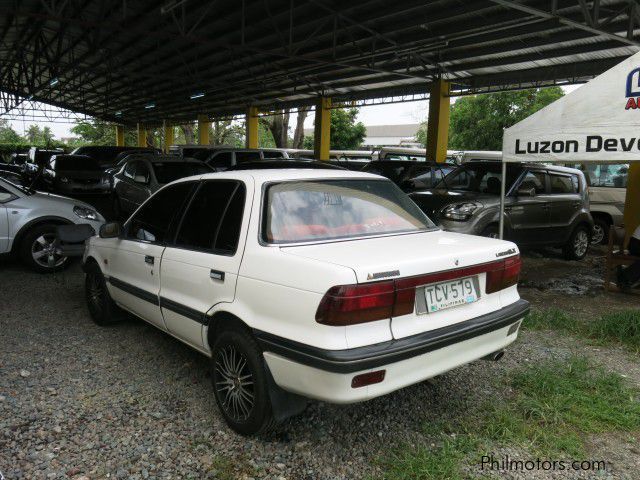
{"x": 633, "y": 83}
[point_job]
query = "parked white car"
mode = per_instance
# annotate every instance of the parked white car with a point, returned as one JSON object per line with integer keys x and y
{"x": 28, "y": 220}
{"x": 298, "y": 284}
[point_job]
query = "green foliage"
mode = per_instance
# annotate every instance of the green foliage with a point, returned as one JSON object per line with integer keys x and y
{"x": 96, "y": 132}
{"x": 346, "y": 133}
{"x": 39, "y": 136}
{"x": 477, "y": 122}
{"x": 555, "y": 404}
{"x": 8, "y": 134}
{"x": 621, "y": 327}
{"x": 421, "y": 134}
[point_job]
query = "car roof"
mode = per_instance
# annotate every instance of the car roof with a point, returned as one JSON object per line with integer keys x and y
{"x": 531, "y": 165}
{"x": 284, "y": 163}
{"x": 286, "y": 174}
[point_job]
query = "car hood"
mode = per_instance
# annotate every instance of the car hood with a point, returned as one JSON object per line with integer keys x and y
{"x": 406, "y": 255}
{"x": 432, "y": 201}
{"x": 57, "y": 200}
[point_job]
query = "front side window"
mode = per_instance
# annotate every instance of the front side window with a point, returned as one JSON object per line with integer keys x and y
{"x": 562, "y": 184}
{"x": 247, "y": 156}
{"x": 480, "y": 178}
{"x": 212, "y": 221}
{"x": 333, "y": 209}
{"x": 222, "y": 160}
{"x": 607, "y": 175}
{"x": 152, "y": 222}
{"x": 535, "y": 180}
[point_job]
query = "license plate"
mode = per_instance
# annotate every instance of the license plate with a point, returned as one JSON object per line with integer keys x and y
{"x": 450, "y": 294}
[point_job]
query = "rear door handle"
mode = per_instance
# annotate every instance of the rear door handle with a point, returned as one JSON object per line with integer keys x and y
{"x": 148, "y": 259}
{"x": 217, "y": 275}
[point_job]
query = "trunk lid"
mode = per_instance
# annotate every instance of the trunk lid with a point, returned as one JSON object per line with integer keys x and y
{"x": 399, "y": 256}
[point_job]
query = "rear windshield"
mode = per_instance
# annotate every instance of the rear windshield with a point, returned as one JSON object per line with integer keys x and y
{"x": 81, "y": 163}
{"x": 168, "y": 172}
{"x": 333, "y": 209}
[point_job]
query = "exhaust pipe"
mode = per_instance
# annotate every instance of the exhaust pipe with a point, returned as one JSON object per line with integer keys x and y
{"x": 495, "y": 356}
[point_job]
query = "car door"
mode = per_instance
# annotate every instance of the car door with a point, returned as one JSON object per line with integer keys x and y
{"x": 134, "y": 266}
{"x": 140, "y": 187}
{"x": 200, "y": 269}
{"x": 565, "y": 202}
{"x": 122, "y": 186}
{"x": 528, "y": 216}
{"x": 5, "y": 197}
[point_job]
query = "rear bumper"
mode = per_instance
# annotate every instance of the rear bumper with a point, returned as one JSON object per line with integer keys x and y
{"x": 327, "y": 374}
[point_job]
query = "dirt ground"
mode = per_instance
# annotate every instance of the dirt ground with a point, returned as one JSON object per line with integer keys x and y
{"x": 83, "y": 402}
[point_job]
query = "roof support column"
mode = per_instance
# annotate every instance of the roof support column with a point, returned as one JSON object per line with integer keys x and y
{"x": 119, "y": 135}
{"x": 203, "y": 130}
{"x": 251, "y": 127}
{"x": 168, "y": 135}
{"x": 322, "y": 129}
{"x": 632, "y": 203}
{"x": 438, "y": 122}
{"x": 142, "y": 135}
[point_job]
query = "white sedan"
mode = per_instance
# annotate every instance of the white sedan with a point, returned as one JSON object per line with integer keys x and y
{"x": 299, "y": 284}
{"x": 28, "y": 221}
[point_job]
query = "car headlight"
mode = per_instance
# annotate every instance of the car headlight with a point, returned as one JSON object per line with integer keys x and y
{"x": 64, "y": 179}
{"x": 460, "y": 211}
{"x": 86, "y": 213}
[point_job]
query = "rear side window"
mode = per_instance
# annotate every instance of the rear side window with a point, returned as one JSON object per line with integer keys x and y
{"x": 221, "y": 160}
{"x": 212, "y": 221}
{"x": 563, "y": 183}
{"x": 152, "y": 222}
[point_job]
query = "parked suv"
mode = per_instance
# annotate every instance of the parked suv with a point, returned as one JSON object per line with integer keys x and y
{"x": 544, "y": 206}
{"x": 298, "y": 284}
{"x": 141, "y": 176}
{"x": 410, "y": 175}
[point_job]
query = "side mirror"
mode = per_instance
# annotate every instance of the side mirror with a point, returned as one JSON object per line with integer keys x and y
{"x": 110, "y": 230}
{"x": 526, "y": 192}
{"x": 140, "y": 179}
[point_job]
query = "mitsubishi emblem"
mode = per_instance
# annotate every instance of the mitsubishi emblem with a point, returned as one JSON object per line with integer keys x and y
{"x": 457, "y": 262}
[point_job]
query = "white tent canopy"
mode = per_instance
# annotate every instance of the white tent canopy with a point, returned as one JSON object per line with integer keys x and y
{"x": 599, "y": 122}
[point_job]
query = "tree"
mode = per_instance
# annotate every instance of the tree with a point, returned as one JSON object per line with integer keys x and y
{"x": 298, "y": 133}
{"x": 421, "y": 134}
{"x": 477, "y": 122}
{"x": 346, "y": 133}
{"x": 96, "y": 132}
{"x": 278, "y": 125}
{"x": 8, "y": 134}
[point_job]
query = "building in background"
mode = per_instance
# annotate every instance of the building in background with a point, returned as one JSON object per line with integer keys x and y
{"x": 386, "y": 135}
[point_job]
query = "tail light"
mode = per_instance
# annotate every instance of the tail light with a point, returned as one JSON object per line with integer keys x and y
{"x": 504, "y": 275}
{"x": 360, "y": 303}
{"x": 367, "y": 302}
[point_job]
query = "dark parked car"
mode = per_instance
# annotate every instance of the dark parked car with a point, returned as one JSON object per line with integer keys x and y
{"x": 106, "y": 155}
{"x": 72, "y": 174}
{"x": 544, "y": 206}
{"x": 410, "y": 175}
{"x": 37, "y": 160}
{"x": 222, "y": 159}
{"x": 138, "y": 178}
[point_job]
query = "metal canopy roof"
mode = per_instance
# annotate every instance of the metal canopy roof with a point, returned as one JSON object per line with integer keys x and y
{"x": 142, "y": 60}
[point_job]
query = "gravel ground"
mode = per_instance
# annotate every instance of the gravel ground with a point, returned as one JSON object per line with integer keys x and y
{"x": 79, "y": 401}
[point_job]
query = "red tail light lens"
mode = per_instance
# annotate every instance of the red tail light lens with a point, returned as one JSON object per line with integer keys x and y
{"x": 367, "y": 302}
{"x": 352, "y": 304}
{"x": 370, "y": 378}
{"x": 505, "y": 274}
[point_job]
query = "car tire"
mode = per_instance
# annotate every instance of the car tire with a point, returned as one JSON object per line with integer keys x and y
{"x": 240, "y": 382}
{"x": 36, "y": 250}
{"x": 600, "y": 235}
{"x": 578, "y": 245}
{"x": 491, "y": 231}
{"x": 102, "y": 308}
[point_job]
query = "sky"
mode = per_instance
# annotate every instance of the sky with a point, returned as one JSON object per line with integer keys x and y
{"x": 388, "y": 114}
